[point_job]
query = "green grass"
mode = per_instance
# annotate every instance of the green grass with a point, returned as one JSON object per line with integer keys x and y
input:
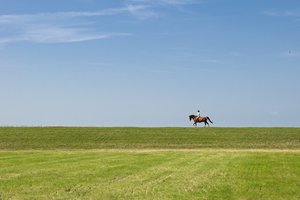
{"x": 149, "y": 163}
{"x": 160, "y": 138}
{"x": 155, "y": 175}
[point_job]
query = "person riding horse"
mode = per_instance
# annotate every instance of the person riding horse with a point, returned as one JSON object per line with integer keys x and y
{"x": 198, "y": 119}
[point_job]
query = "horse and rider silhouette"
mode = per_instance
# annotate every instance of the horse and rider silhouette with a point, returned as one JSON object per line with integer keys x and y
{"x": 199, "y": 119}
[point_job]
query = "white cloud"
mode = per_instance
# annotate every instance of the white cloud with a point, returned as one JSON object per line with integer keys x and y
{"x": 167, "y": 2}
{"x": 25, "y": 18}
{"x": 142, "y": 12}
{"x": 61, "y": 27}
{"x": 154, "y": 8}
{"x": 58, "y": 35}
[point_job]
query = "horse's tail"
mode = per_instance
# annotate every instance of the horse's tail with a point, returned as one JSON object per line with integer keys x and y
{"x": 209, "y": 120}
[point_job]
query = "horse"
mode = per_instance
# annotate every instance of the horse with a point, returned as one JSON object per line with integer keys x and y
{"x": 200, "y": 119}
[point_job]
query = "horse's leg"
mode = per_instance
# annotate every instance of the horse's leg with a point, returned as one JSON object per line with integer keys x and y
{"x": 194, "y": 124}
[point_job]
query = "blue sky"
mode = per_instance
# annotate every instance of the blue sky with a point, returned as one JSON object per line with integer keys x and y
{"x": 149, "y": 62}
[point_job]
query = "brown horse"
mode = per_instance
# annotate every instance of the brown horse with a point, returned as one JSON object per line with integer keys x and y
{"x": 200, "y": 119}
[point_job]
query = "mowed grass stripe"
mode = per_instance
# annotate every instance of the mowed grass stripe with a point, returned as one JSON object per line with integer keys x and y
{"x": 43, "y": 138}
{"x": 155, "y": 175}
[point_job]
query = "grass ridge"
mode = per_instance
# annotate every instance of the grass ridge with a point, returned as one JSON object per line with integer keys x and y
{"x": 39, "y": 138}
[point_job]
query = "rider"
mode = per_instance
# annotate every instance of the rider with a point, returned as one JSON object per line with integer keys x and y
{"x": 198, "y": 113}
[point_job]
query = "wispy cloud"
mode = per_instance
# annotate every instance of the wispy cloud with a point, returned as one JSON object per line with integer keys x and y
{"x": 63, "y": 35}
{"x": 142, "y": 11}
{"x": 213, "y": 61}
{"x": 282, "y": 13}
{"x": 50, "y": 34}
{"x": 159, "y": 8}
{"x": 21, "y": 18}
{"x": 292, "y": 14}
{"x": 170, "y": 2}
{"x": 60, "y": 27}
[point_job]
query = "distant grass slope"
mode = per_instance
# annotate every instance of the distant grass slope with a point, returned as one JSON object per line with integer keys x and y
{"x": 22, "y": 138}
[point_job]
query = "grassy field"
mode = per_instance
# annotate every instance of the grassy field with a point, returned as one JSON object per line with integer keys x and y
{"x": 142, "y": 138}
{"x": 149, "y": 163}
